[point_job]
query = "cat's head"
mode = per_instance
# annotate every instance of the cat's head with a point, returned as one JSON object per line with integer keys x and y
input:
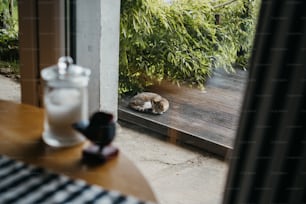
{"x": 159, "y": 106}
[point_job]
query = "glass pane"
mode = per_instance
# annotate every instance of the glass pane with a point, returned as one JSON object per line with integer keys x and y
{"x": 9, "y": 56}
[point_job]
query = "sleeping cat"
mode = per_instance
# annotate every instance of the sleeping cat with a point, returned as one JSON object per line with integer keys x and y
{"x": 149, "y": 102}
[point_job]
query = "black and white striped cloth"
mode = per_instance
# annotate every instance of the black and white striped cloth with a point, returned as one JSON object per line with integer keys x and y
{"x": 26, "y": 184}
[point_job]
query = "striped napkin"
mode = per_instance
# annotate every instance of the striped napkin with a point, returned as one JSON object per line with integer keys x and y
{"x": 27, "y": 184}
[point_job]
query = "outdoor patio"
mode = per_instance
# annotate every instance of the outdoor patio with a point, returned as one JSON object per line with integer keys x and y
{"x": 207, "y": 119}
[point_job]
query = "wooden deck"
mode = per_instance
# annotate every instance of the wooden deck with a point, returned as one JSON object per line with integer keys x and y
{"x": 207, "y": 119}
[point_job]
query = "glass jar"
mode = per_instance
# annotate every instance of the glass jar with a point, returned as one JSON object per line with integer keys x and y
{"x": 65, "y": 102}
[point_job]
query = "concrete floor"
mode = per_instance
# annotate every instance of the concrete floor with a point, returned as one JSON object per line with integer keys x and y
{"x": 178, "y": 174}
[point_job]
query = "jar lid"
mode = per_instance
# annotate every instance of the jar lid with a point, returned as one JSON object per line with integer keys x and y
{"x": 65, "y": 70}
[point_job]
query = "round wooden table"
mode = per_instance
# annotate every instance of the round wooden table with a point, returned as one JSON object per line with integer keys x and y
{"x": 21, "y": 127}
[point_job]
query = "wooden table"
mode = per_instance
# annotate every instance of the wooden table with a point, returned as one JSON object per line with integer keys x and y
{"x": 21, "y": 127}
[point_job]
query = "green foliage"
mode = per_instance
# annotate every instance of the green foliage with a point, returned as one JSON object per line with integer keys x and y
{"x": 237, "y": 29}
{"x": 8, "y": 31}
{"x": 181, "y": 41}
{"x": 13, "y": 66}
{"x": 8, "y": 45}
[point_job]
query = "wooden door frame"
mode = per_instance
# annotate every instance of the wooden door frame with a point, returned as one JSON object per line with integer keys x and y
{"x": 49, "y": 29}
{"x": 41, "y": 43}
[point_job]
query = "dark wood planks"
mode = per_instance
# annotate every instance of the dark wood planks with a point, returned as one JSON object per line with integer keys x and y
{"x": 207, "y": 119}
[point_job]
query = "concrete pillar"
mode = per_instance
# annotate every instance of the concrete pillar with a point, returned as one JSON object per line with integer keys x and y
{"x": 97, "y": 27}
